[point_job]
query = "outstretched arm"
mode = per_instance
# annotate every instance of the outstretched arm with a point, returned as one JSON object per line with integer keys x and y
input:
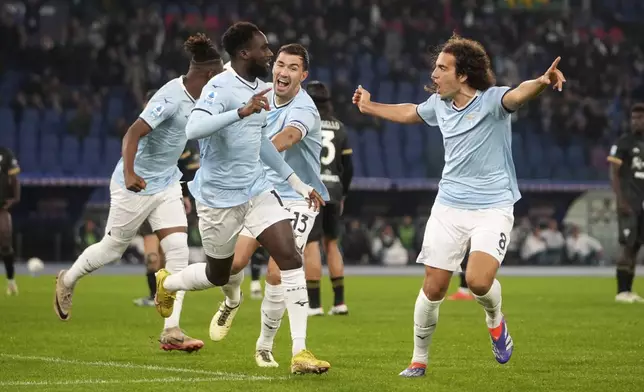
{"x": 530, "y": 89}
{"x": 404, "y": 113}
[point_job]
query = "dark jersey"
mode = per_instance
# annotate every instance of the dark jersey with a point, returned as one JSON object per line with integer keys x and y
{"x": 189, "y": 161}
{"x": 628, "y": 151}
{"x": 335, "y": 144}
{"x": 8, "y": 167}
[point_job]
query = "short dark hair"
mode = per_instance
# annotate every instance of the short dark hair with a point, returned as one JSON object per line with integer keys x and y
{"x": 238, "y": 36}
{"x": 637, "y": 107}
{"x": 201, "y": 48}
{"x": 296, "y": 50}
{"x": 471, "y": 60}
{"x": 321, "y": 96}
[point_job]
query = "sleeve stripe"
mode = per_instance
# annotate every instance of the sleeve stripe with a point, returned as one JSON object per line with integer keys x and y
{"x": 14, "y": 171}
{"x": 192, "y": 166}
{"x": 185, "y": 155}
{"x": 299, "y": 125}
{"x": 614, "y": 160}
{"x": 503, "y": 106}
{"x": 347, "y": 151}
{"x": 201, "y": 110}
{"x": 146, "y": 123}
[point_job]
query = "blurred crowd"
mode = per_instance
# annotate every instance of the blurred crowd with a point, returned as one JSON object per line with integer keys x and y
{"x": 76, "y": 51}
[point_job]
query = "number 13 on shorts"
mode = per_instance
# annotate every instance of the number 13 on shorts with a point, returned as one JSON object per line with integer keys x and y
{"x": 303, "y": 219}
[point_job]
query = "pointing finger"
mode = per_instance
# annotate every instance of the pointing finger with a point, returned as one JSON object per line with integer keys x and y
{"x": 263, "y": 92}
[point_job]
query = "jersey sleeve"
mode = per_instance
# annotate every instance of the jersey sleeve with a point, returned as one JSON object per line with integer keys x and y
{"x": 427, "y": 111}
{"x": 302, "y": 119}
{"x": 11, "y": 165}
{"x": 213, "y": 100}
{"x": 494, "y": 97}
{"x": 618, "y": 152}
{"x": 160, "y": 108}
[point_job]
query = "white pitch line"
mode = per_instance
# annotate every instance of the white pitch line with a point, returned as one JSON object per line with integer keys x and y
{"x": 173, "y": 380}
{"x": 130, "y": 365}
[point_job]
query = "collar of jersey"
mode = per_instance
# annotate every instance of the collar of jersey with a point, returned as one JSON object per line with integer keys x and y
{"x": 244, "y": 80}
{"x": 287, "y": 103}
{"x": 185, "y": 90}
{"x": 476, "y": 94}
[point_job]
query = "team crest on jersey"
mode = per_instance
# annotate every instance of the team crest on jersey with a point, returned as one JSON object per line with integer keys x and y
{"x": 156, "y": 112}
{"x": 471, "y": 117}
{"x": 210, "y": 98}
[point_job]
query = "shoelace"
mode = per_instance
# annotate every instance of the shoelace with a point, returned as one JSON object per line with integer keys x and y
{"x": 224, "y": 315}
{"x": 265, "y": 355}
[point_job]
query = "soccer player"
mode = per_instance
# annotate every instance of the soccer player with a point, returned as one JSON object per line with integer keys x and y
{"x": 154, "y": 259}
{"x": 232, "y": 190}
{"x": 294, "y": 126}
{"x": 145, "y": 185}
{"x": 337, "y": 172}
{"x": 627, "y": 179}
{"x": 256, "y": 261}
{"x": 9, "y": 196}
{"x": 478, "y": 188}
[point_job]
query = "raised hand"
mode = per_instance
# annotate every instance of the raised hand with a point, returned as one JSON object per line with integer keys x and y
{"x": 554, "y": 76}
{"x": 256, "y": 103}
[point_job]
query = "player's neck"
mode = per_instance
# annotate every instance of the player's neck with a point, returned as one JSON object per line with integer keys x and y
{"x": 242, "y": 72}
{"x": 192, "y": 85}
{"x": 463, "y": 97}
{"x": 280, "y": 101}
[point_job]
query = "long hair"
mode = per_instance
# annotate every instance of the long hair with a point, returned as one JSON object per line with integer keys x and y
{"x": 471, "y": 61}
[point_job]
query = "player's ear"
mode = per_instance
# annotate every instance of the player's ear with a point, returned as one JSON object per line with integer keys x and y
{"x": 462, "y": 78}
{"x": 305, "y": 75}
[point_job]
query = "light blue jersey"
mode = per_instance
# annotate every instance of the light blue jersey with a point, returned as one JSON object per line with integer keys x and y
{"x": 231, "y": 172}
{"x": 304, "y": 156}
{"x": 159, "y": 151}
{"x": 479, "y": 170}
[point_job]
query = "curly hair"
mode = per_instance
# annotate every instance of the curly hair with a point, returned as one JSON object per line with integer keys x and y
{"x": 471, "y": 60}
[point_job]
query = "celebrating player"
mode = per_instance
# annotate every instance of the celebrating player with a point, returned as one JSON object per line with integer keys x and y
{"x": 627, "y": 179}
{"x": 232, "y": 190}
{"x": 9, "y": 196}
{"x": 293, "y": 124}
{"x": 145, "y": 185}
{"x": 478, "y": 188}
{"x": 337, "y": 172}
{"x": 154, "y": 260}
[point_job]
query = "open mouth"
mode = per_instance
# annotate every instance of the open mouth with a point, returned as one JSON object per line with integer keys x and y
{"x": 282, "y": 83}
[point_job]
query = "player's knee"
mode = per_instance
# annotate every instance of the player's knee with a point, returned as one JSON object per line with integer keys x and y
{"x": 479, "y": 285}
{"x": 273, "y": 278}
{"x": 435, "y": 287}
{"x": 175, "y": 249}
{"x": 113, "y": 247}
{"x": 291, "y": 260}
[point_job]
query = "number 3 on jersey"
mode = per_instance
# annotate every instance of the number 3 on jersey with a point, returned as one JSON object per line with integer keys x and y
{"x": 327, "y": 142}
{"x": 299, "y": 223}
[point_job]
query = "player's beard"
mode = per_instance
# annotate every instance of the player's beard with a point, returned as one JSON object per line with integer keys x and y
{"x": 259, "y": 70}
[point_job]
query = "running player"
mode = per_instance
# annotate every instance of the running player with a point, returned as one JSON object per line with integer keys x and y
{"x": 9, "y": 196}
{"x": 154, "y": 261}
{"x": 293, "y": 125}
{"x": 478, "y": 188}
{"x": 627, "y": 179}
{"x": 145, "y": 185}
{"x": 337, "y": 172}
{"x": 188, "y": 164}
{"x": 232, "y": 190}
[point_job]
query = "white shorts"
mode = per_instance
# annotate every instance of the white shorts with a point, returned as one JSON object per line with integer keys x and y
{"x": 449, "y": 231}
{"x": 128, "y": 211}
{"x": 219, "y": 227}
{"x": 302, "y": 218}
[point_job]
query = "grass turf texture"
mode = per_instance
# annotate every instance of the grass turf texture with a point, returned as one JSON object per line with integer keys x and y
{"x": 569, "y": 336}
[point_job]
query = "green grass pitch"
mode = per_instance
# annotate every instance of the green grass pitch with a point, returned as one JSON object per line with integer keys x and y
{"x": 569, "y": 336}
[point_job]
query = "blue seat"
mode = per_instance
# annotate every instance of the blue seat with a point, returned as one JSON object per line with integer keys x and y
{"x": 52, "y": 122}
{"x": 324, "y": 75}
{"x": 405, "y": 92}
{"x": 355, "y": 142}
{"x": 91, "y": 156}
{"x": 50, "y": 154}
{"x": 70, "y": 149}
{"x": 8, "y": 133}
{"x": 373, "y": 154}
{"x": 385, "y": 91}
